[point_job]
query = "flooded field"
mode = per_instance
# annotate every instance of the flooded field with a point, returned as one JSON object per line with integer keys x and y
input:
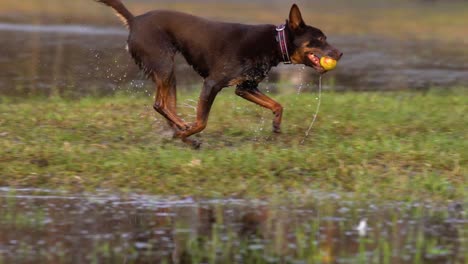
{"x": 76, "y": 59}
{"x": 44, "y": 226}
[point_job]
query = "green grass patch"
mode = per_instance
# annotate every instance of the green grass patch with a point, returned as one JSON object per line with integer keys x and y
{"x": 392, "y": 145}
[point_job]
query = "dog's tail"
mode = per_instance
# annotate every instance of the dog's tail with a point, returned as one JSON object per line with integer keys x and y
{"x": 122, "y": 12}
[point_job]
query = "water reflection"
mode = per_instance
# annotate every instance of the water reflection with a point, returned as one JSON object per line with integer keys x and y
{"x": 83, "y": 60}
{"x": 38, "y": 226}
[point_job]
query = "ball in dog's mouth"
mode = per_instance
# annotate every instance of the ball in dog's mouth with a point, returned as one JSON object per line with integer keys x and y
{"x": 328, "y": 63}
{"x": 322, "y": 64}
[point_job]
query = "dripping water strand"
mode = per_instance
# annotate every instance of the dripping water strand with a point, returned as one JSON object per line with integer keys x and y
{"x": 316, "y": 111}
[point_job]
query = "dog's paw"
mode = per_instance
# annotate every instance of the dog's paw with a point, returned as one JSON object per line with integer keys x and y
{"x": 195, "y": 144}
{"x": 276, "y": 129}
{"x": 184, "y": 127}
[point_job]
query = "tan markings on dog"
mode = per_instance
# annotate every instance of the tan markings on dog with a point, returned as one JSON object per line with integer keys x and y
{"x": 236, "y": 81}
{"x": 300, "y": 53}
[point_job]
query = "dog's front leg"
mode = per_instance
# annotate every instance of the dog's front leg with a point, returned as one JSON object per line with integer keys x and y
{"x": 207, "y": 97}
{"x": 249, "y": 91}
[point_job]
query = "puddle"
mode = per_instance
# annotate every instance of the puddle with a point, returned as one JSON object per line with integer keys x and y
{"x": 41, "y": 226}
{"x": 62, "y": 29}
{"x": 76, "y": 60}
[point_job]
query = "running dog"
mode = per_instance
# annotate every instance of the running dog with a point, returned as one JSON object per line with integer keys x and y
{"x": 224, "y": 54}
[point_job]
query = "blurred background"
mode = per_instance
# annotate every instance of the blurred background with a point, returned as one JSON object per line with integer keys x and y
{"x": 77, "y": 48}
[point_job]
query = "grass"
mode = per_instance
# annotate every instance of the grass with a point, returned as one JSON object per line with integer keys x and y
{"x": 392, "y": 145}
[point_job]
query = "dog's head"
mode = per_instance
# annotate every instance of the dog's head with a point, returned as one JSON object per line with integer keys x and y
{"x": 310, "y": 44}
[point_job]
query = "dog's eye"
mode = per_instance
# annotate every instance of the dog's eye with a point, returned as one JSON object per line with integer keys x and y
{"x": 322, "y": 38}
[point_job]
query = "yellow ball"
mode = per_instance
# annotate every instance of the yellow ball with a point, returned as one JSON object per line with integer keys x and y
{"x": 328, "y": 63}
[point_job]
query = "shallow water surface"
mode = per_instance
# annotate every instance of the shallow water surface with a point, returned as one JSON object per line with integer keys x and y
{"x": 41, "y": 226}
{"x": 76, "y": 60}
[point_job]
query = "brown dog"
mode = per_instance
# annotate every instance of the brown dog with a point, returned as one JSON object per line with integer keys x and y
{"x": 224, "y": 54}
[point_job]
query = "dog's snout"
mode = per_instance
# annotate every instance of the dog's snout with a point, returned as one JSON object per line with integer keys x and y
{"x": 335, "y": 53}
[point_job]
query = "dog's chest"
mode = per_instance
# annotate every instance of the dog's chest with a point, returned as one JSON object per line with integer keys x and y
{"x": 258, "y": 71}
{"x": 254, "y": 73}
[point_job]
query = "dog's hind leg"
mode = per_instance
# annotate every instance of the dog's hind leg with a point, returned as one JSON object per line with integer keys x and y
{"x": 155, "y": 55}
{"x": 250, "y": 92}
{"x": 166, "y": 100}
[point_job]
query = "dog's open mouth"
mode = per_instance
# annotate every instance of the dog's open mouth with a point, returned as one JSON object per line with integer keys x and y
{"x": 315, "y": 62}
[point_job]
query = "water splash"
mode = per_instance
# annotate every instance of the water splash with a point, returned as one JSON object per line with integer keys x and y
{"x": 192, "y": 105}
{"x": 316, "y": 111}
{"x": 301, "y": 85}
{"x": 258, "y": 129}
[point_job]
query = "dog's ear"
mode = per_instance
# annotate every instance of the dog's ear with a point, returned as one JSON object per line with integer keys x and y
{"x": 295, "y": 19}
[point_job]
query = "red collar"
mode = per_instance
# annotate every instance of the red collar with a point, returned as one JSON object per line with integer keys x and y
{"x": 282, "y": 40}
